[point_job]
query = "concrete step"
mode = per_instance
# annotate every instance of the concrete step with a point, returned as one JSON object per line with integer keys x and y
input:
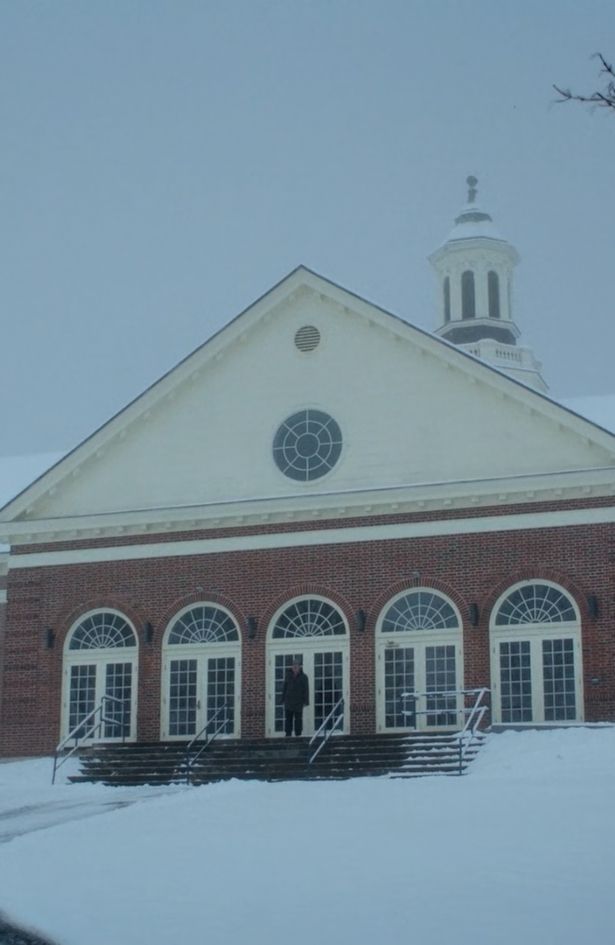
{"x": 274, "y": 759}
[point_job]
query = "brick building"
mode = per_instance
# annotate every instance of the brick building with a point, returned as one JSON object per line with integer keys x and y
{"x": 407, "y": 513}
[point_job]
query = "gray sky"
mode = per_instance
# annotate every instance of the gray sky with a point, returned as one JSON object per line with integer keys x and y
{"x": 164, "y": 163}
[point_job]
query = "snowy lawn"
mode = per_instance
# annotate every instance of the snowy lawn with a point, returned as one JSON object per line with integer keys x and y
{"x": 522, "y": 850}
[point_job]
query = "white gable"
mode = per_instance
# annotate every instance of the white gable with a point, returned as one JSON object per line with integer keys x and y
{"x": 411, "y": 408}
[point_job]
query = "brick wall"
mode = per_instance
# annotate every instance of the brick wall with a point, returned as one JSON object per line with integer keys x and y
{"x": 473, "y": 568}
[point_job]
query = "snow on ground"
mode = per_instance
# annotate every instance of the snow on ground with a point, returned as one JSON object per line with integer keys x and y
{"x": 520, "y": 850}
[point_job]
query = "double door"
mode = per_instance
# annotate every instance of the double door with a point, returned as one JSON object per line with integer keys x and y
{"x": 537, "y": 679}
{"x": 85, "y": 683}
{"x": 201, "y": 689}
{"x": 418, "y": 686}
{"x": 327, "y": 673}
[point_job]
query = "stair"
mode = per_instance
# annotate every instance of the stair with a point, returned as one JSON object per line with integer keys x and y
{"x": 345, "y": 756}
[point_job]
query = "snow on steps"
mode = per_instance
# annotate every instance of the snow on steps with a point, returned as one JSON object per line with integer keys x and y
{"x": 399, "y": 756}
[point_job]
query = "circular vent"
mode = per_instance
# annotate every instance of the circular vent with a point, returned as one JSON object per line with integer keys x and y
{"x": 307, "y": 338}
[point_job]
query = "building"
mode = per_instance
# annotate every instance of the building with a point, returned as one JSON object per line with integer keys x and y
{"x": 323, "y": 480}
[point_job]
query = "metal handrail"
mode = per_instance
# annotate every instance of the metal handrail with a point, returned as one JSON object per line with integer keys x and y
{"x": 465, "y": 738}
{"x": 472, "y": 725}
{"x": 78, "y": 734}
{"x": 188, "y": 761}
{"x": 328, "y": 732}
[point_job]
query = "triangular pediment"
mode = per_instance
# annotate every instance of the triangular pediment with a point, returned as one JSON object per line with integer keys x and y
{"x": 412, "y": 411}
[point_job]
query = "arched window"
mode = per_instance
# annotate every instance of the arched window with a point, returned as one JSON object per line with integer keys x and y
{"x": 202, "y": 654}
{"x": 312, "y": 631}
{"x": 468, "y": 295}
{"x": 100, "y": 659}
{"x": 203, "y": 624}
{"x": 418, "y": 662}
{"x": 102, "y": 630}
{"x": 419, "y": 610}
{"x": 493, "y": 290}
{"x": 447, "y": 299}
{"x": 536, "y": 655}
{"x": 535, "y": 603}
{"x": 309, "y": 617}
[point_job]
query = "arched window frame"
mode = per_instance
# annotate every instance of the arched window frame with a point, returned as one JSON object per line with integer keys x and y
{"x": 181, "y": 614}
{"x": 189, "y": 693}
{"x": 86, "y": 670}
{"x": 525, "y": 658}
{"x": 426, "y": 592}
{"x": 91, "y": 615}
{"x": 424, "y": 645}
{"x": 332, "y": 647}
{"x": 498, "y": 626}
{"x": 293, "y": 640}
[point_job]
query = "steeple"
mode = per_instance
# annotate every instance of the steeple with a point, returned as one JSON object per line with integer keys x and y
{"x": 475, "y": 271}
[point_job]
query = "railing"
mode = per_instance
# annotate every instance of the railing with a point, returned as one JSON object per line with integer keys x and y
{"x": 468, "y": 734}
{"x": 190, "y": 761}
{"x": 475, "y": 713}
{"x": 325, "y": 731}
{"x": 80, "y": 733}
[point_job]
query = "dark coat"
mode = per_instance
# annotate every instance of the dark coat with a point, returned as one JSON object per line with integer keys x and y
{"x": 296, "y": 691}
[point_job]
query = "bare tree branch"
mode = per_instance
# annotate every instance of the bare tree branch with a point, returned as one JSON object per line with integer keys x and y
{"x": 604, "y": 98}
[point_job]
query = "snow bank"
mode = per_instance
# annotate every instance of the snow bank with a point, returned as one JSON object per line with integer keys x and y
{"x": 519, "y": 850}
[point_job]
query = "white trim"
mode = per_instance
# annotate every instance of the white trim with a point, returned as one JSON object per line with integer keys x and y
{"x": 534, "y": 634}
{"x": 307, "y": 646}
{"x": 2, "y": 597}
{"x": 418, "y": 641}
{"x": 100, "y": 658}
{"x": 325, "y": 536}
{"x": 405, "y": 497}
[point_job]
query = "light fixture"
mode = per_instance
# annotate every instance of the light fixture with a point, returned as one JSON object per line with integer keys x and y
{"x": 50, "y": 638}
{"x": 361, "y": 620}
{"x": 251, "y": 627}
{"x": 148, "y": 631}
{"x": 592, "y": 606}
{"x": 474, "y": 614}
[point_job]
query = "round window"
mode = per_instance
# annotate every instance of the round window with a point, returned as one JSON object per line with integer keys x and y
{"x": 307, "y": 445}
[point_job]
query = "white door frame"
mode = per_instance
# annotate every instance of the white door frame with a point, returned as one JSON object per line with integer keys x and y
{"x": 201, "y": 653}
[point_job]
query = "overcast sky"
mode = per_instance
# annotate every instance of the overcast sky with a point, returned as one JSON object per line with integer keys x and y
{"x": 164, "y": 163}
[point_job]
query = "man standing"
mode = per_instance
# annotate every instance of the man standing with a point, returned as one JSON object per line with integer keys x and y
{"x": 295, "y": 695}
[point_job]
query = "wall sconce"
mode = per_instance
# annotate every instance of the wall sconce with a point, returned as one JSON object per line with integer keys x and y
{"x": 361, "y": 620}
{"x": 148, "y": 632}
{"x": 474, "y": 614}
{"x": 50, "y": 638}
{"x": 251, "y": 627}
{"x": 592, "y": 606}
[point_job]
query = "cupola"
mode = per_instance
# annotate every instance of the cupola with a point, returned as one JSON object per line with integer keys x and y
{"x": 475, "y": 272}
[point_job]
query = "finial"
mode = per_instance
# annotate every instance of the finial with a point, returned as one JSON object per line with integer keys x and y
{"x": 471, "y": 182}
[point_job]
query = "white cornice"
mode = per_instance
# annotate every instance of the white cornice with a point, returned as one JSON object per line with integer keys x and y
{"x": 387, "y": 500}
{"x": 310, "y": 538}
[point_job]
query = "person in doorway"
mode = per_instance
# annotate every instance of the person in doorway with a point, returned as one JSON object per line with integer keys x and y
{"x": 295, "y": 695}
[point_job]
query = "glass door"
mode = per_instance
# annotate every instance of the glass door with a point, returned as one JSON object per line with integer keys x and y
{"x": 538, "y": 680}
{"x": 201, "y": 690}
{"x": 88, "y": 683}
{"x": 413, "y": 682}
{"x": 326, "y": 677}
